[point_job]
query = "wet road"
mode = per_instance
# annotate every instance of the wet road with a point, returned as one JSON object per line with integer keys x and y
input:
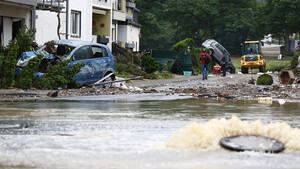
{"x": 136, "y": 132}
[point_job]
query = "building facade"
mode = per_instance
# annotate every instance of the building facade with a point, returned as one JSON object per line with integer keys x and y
{"x": 101, "y": 21}
{"x": 14, "y": 14}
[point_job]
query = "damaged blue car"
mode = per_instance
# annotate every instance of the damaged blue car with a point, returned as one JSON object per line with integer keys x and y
{"x": 99, "y": 62}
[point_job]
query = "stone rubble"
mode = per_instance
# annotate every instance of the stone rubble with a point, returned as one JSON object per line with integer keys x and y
{"x": 236, "y": 86}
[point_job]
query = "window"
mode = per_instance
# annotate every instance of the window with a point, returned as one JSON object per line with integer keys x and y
{"x": 76, "y": 23}
{"x": 98, "y": 52}
{"x": 82, "y": 53}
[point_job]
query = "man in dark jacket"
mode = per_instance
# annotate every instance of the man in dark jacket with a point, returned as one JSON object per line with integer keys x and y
{"x": 205, "y": 59}
{"x": 224, "y": 62}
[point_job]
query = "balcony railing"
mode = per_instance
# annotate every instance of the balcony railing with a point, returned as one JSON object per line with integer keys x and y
{"x": 52, "y": 5}
{"x": 130, "y": 45}
{"x": 119, "y": 15}
{"x": 102, "y": 40}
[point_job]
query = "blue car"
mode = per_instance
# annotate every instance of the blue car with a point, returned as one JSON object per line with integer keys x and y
{"x": 99, "y": 62}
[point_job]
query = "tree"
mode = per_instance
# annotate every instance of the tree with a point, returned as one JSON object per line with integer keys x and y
{"x": 156, "y": 31}
{"x": 228, "y": 21}
{"x": 194, "y": 17}
{"x": 282, "y": 17}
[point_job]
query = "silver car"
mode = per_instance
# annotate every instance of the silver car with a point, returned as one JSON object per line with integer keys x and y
{"x": 216, "y": 50}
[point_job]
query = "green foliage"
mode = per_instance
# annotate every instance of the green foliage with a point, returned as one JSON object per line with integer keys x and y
{"x": 187, "y": 45}
{"x": 8, "y": 65}
{"x": 27, "y": 75}
{"x": 157, "y": 32}
{"x": 1, "y": 64}
{"x": 277, "y": 65}
{"x": 126, "y": 69}
{"x": 149, "y": 64}
{"x": 281, "y": 17}
{"x": 265, "y": 79}
{"x": 294, "y": 61}
{"x": 166, "y": 75}
{"x": 71, "y": 73}
{"x": 58, "y": 76}
{"x": 24, "y": 40}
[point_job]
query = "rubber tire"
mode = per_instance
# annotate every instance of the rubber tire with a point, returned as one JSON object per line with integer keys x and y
{"x": 244, "y": 70}
{"x": 229, "y": 145}
{"x": 231, "y": 70}
{"x": 108, "y": 85}
{"x": 261, "y": 69}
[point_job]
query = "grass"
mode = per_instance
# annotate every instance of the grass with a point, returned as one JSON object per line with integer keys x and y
{"x": 271, "y": 65}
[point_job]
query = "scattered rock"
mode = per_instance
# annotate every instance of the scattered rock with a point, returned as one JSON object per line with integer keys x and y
{"x": 223, "y": 94}
{"x": 52, "y": 94}
{"x": 251, "y": 81}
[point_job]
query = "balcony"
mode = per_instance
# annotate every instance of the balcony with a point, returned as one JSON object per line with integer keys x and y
{"x": 102, "y": 40}
{"x": 130, "y": 45}
{"x": 23, "y": 2}
{"x": 130, "y": 5}
{"x": 119, "y": 15}
{"x": 52, "y": 5}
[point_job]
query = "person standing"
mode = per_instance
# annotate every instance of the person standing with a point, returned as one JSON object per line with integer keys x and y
{"x": 224, "y": 63}
{"x": 205, "y": 59}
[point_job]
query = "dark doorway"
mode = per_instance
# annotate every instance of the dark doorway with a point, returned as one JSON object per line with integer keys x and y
{"x": 16, "y": 26}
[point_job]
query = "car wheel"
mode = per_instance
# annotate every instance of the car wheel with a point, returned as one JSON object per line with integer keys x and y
{"x": 211, "y": 52}
{"x": 108, "y": 85}
{"x": 231, "y": 70}
{"x": 261, "y": 69}
{"x": 244, "y": 70}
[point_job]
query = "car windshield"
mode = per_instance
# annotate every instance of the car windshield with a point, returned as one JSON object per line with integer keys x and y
{"x": 60, "y": 50}
{"x": 252, "y": 48}
{"x": 42, "y": 51}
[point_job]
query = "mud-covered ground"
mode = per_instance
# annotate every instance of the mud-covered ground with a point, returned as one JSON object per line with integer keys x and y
{"x": 233, "y": 86}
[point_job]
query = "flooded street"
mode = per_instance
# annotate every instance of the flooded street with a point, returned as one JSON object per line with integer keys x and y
{"x": 137, "y": 132}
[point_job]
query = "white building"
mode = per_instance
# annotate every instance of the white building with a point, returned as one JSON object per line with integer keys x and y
{"x": 101, "y": 21}
{"x": 126, "y": 28}
{"x": 13, "y": 15}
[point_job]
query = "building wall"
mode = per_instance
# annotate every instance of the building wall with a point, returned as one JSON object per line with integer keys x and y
{"x": 102, "y": 3}
{"x": 129, "y": 34}
{"x": 7, "y": 30}
{"x": 122, "y": 33}
{"x": 102, "y": 24}
{"x": 47, "y": 23}
{"x": 134, "y": 37}
{"x": 86, "y": 19}
{"x": 46, "y": 26}
{"x": 11, "y": 13}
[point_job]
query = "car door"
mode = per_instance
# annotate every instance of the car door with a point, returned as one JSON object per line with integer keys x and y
{"x": 87, "y": 73}
{"x": 101, "y": 61}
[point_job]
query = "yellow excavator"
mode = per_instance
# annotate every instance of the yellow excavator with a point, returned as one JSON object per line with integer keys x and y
{"x": 252, "y": 57}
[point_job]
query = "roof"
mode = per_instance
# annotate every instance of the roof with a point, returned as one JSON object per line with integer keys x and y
{"x": 75, "y": 43}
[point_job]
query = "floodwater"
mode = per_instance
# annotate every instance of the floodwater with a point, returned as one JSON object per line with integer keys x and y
{"x": 144, "y": 131}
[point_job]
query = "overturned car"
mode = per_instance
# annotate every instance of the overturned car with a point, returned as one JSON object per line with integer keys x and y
{"x": 99, "y": 62}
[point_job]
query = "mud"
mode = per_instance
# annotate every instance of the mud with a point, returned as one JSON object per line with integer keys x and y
{"x": 233, "y": 86}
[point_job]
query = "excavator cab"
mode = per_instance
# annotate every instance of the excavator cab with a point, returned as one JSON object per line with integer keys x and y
{"x": 252, "y": 56}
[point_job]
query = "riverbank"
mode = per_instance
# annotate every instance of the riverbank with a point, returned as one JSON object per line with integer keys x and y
{"x": 233, "y": 86}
